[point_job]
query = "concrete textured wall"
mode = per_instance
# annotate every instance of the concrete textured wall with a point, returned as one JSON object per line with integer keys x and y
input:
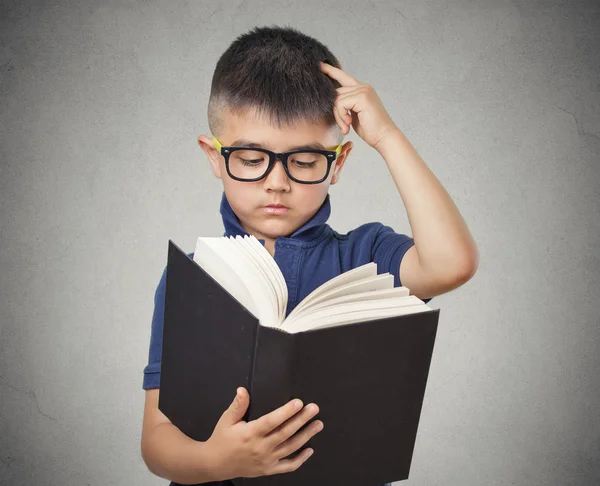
{"x": 100, "y": 107}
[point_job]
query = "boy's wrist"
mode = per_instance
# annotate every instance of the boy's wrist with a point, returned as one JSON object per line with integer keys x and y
{"x": 391, "y": 133}
{"x": 212, "y": 462}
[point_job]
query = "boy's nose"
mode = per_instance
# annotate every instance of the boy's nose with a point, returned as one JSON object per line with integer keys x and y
{"x": 277, "y": 179}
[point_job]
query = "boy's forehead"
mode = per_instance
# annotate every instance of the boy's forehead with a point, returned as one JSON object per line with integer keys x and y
{"x": 252, "y": 129}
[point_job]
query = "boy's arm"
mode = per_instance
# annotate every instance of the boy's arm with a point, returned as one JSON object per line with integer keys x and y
{"x": 444, "y": 255}
{"x": 171, "y": 454}
{"x": 420, "y": 283}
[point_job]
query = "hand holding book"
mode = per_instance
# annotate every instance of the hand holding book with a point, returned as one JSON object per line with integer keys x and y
{"x": 261, "y": 447}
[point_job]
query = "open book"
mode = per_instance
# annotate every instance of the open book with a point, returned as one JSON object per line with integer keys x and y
{"x": 243, "y": 267}
{"x": 357, "y": 347}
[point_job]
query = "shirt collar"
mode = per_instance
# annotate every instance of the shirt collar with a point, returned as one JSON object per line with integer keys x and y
{"x": 306, "y": 232}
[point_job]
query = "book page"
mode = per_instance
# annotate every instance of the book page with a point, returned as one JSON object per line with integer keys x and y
{"x": 317, "y": 315}
{"x": 274, "y": 274}
{"x": 356, "y": 317}
{"x": 259, "y": 271}
{"x": 210, "y": 258}
{"x": 255, "y": 280}
{"x": 358, "y": 297}
{"x": 358, "y": 273}
{"x": 377, "y": 282}
{"x": 245, "y": 274}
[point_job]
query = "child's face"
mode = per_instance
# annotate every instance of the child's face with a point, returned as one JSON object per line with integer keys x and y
{"x": 248, "y": 199}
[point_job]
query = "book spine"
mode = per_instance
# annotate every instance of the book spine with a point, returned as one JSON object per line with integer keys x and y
{"x": 251, "y": 375}
{"x": 270, "y": 383}
{"x": 271, "y": 378}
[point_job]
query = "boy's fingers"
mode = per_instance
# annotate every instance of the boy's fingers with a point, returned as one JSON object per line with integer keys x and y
{"x": 286, "y": 439}
{"x": 265, "y": 424}
{"x": 342, "y": 77}
{"x": 343, "y": 126}
{"x": 345, "y": 89}
{"x": 343, "y": 114}
{"x": 238, "y": 407}
{"x": 289, "y": 465}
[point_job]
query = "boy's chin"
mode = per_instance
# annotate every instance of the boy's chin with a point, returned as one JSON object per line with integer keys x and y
{"x": 272, "y": 227}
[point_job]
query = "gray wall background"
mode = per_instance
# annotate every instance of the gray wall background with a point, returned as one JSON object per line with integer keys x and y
{"x": 101, "y": 104}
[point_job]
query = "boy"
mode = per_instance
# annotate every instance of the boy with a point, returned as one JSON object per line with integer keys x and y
{"x": 270, "y": 92}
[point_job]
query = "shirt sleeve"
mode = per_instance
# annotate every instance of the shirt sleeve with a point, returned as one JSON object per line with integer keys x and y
{"x": 388, "y": 250}
{"x": 152, "y": 370}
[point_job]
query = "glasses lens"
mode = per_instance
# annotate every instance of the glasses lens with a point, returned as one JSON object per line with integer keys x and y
{"x": 248, "y": 164}
{"x": 307, "y": 166}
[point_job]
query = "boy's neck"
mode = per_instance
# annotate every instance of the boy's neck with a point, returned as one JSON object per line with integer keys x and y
{"x": 270, "y": 246}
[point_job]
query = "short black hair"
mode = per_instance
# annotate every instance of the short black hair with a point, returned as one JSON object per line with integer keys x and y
{"x": 275, "y": 71}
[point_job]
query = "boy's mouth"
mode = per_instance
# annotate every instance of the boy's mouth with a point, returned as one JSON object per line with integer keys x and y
{"x": 275, "y": 209}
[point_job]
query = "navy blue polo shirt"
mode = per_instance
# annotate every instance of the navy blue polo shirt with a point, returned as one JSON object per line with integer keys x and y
{"x": 312, "y": 255}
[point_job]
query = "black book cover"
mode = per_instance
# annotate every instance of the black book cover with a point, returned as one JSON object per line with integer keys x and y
{"x": 368, "y": 379}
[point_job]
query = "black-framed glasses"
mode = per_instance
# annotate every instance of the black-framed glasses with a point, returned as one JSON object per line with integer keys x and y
{"x": 249, "y": 164}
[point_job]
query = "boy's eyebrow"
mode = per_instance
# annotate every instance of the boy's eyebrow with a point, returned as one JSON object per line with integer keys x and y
{"x": 247, "y": 143}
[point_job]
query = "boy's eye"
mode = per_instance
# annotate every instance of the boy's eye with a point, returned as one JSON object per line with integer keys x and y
{"x": 304, "y": 165}
{"x": 251, "y": 162}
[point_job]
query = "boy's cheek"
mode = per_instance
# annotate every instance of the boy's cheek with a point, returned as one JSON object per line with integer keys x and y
{"x": 238, "y": 194}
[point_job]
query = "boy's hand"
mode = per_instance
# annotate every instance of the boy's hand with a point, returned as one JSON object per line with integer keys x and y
{"x": 257, "y": 448}
{"x": 371, "y": 121}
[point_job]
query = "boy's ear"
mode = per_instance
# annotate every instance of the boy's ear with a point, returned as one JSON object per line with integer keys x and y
{"x": 213, "y": 155}
{"x": 339, "y": 162}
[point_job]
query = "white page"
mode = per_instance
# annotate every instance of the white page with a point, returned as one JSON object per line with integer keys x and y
{"x": 356, "y": 317}
{"x": 392, "y": 293}
{"x": 377, "y": 282}
{"x": 311, "y": 316}
{"x": 254, "y": 280}
{"x": 273, "y": 268}
{"x": 259, "y": 271}
{"x": 358, "y": 273}
{"x": 221, "y": 270}
{"x": 228, "y": 252}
